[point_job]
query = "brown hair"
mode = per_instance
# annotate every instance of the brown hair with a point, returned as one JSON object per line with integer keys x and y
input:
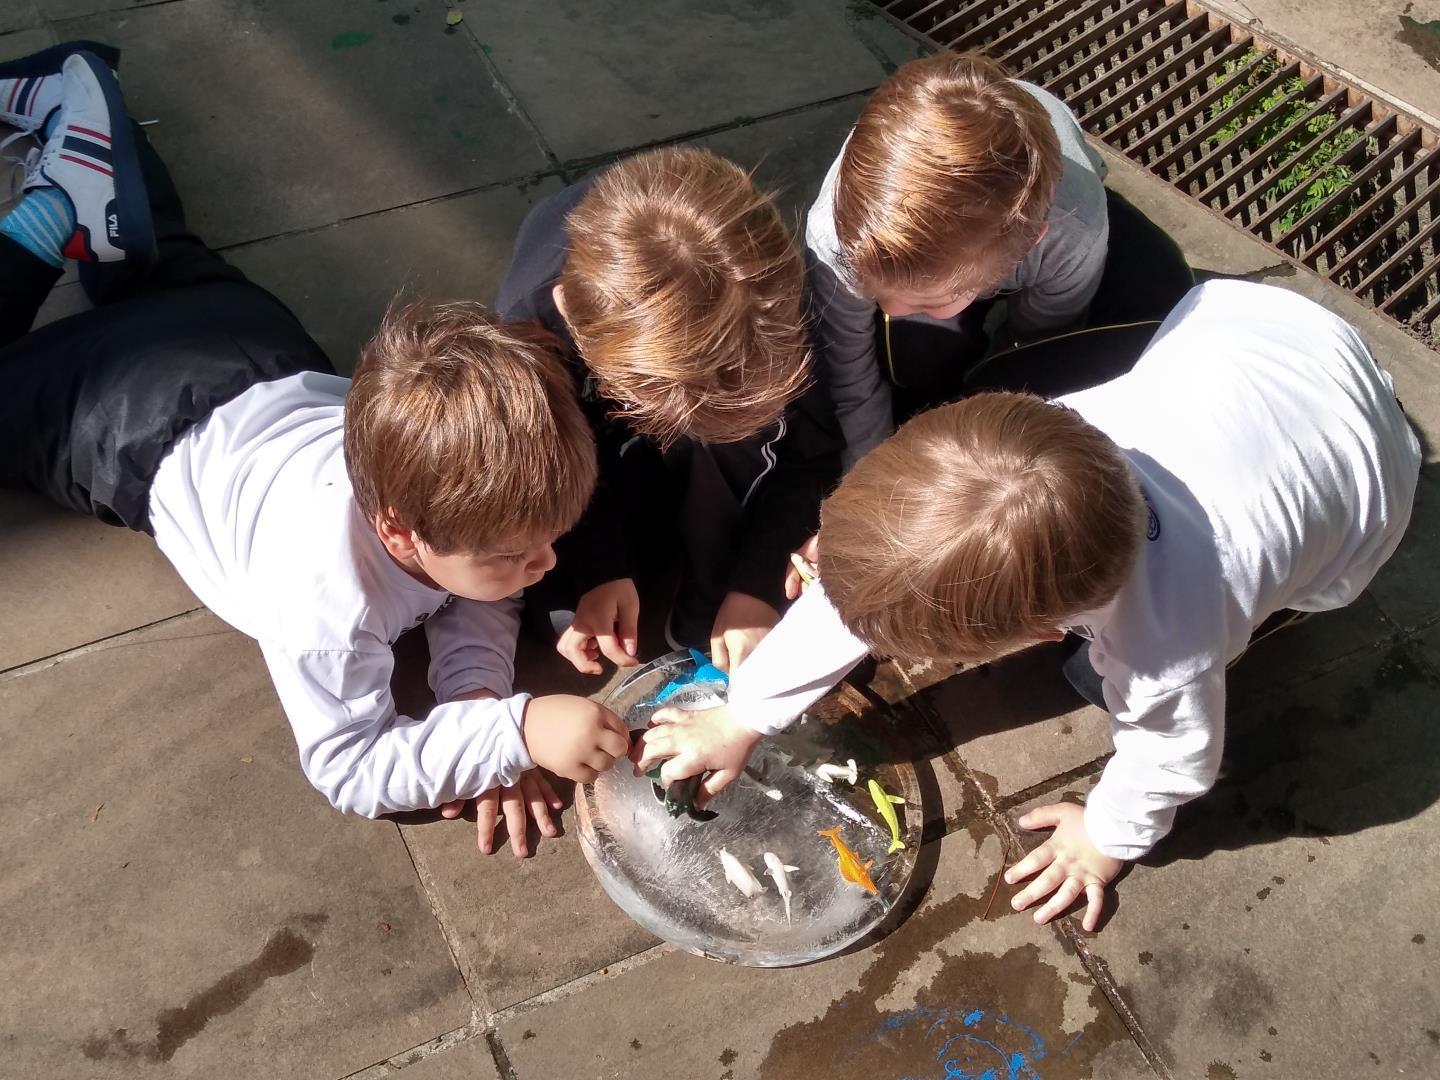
{"x": 466, "y": 430}
{"x": 947, "y": 180}
{"x": 978, "y": 528}
{"x": 682, "y": 287}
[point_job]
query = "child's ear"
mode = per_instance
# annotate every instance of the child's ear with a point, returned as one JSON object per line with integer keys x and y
{"x": 558, "y": 295}
{"x": 399, "y": 541}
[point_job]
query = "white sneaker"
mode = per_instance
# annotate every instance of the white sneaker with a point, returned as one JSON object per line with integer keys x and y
{"x": 91, "y": 157}
{"x": 30, "y": 88}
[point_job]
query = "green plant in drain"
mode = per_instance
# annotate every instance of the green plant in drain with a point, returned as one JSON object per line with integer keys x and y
{"x": 1317, "y": 172}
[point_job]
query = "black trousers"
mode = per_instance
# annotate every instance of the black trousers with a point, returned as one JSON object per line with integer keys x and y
{"x": 1145, "y": 276}
{"x": 90, "y": 404}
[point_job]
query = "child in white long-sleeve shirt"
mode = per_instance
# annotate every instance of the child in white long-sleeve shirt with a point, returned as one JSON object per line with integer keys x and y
{"x": 321, "y": 517}
{"x": 1254, "y": 460}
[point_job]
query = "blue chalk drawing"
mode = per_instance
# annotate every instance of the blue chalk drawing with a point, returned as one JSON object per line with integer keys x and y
{"x": 973, "y": 1044}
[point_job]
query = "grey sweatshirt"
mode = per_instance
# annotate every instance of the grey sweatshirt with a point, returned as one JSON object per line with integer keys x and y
{"x": 1047, "y": 291}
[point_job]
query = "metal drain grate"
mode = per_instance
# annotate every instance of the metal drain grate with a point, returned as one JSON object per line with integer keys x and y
{"x": 1326, "y": 175}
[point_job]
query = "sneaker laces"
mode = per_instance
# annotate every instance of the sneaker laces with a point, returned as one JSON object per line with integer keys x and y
{"x": 22, "y": 169}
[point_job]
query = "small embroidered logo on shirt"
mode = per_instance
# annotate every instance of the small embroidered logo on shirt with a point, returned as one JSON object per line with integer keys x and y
{"x": 1152, "y": 519}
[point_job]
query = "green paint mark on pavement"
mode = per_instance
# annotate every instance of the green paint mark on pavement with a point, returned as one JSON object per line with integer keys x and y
{"x": 349, "y": 40}
{"x": 441, "y": 99}
{"x": 485, "y": 48}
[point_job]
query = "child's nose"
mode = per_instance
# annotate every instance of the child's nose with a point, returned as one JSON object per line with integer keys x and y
{"x": 545, "y": 562}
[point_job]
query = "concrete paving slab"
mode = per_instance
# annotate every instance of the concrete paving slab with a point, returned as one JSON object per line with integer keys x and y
{"x": 662, "y": 72}
{"x": 468, "y": 1060}
{"x": 1408, "y": 586}
{"x": 1283, "y": 928}
{"x": 67, "y": 580}
{"x": 1017, "y": 722}
{"x": 275, "y": 117}
{"x": 790, "y": 154}
{"x": 945, "y": 992}
{"x": 339, "y": 281}
{"x": 177, "y": 898}
{"x": 20, "y": 23}
{"x": 1394, "y": 44}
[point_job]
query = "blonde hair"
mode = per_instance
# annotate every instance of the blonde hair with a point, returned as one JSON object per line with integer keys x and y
{"x": 466, "y": 430}
{"x": 947, "y": 180}
{"x": 682, "y": 288}
{"x": 978, "y": 528}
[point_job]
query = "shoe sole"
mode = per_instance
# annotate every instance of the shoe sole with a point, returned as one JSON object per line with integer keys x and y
{"x": 132, "y": 202}
{"x": 49, "y": 61}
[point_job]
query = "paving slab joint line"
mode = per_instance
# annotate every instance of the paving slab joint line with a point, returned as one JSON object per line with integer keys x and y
{"x": 416, "y": 1054}
{"x": 511, "y": 99}
{"x": 580, "y": 984}
{"x": 113, "y": 641}
{"x": 479, "y": 1005}
{"x": 1005, "y": 803}
{"x": 522, "y": 180}
{"x": 502, "y": 1059}
{"x": 589, "y": 161}
{"x": 1063, "y": 928}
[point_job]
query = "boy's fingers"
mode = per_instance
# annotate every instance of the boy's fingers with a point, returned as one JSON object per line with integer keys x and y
{"x": 655, "y": 746}
{"x": 547, "y": 792}
{"x": 627, "y": 618}
{"x": 713, "y": 784}
{"x": 1042, "y": 886}
{"x": 1094, "y": 904}
{"x": 514, "y": 807}
{"x": 1064, "y": 896}
{"x": 572, "y": 646}
{"x": 452, "y": 809}
{"x": 535, "y": 801}
{"x": 719, "y": 652}
{"x": 678, "y": 768}
{"x": 1038, "y": 859}
{"x": 668, "y": 715}
{"x": 598, "y": 762}
{"x": 612, "y": 721}
{"x": 614, "y": 651}
{"x": 486, "y": 807}
{"x": 1044, "y": 817}
{"x": 613, "y": 743}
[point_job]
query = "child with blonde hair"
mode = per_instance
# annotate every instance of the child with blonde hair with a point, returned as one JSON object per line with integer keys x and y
{"x": 323, "y": 517}
{"x": 1254, "y": 462}
{"x": 958, "y": 187}
{"x": 676, "y": 289}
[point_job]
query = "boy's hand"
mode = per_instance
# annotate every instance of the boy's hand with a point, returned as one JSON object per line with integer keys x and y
{"x": 533, "y": 794}
{"x": 573, "y": 737}
{"x": 606, "y": 621}
{"x": 1071, "y": 863}
{"x": 795, "y": 582}
{"x": 694, "y": 743}
{"x": 740, "y": 624}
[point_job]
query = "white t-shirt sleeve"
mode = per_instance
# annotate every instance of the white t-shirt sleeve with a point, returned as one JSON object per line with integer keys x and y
{"x": 1167, "y": 752}
{"x": 472, "y": 647}
{"x": 796, "y": 664}
{"x": 366, "y": 758}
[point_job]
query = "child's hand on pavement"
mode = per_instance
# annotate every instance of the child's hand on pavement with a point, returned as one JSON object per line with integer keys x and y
{"x": 532, "y": 798}
{"x": 1068, "y": 863}
{"x": 794, "y": 582}
{"x": 741, "y": 623}
{"x": 606, "y": 623}
{"x": 695, "y": 742}
{"x": 573, "y": 737}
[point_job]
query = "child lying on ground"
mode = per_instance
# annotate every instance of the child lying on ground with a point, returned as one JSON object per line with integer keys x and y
{"x": 320, "y": 517}
{"x": 676, "y": 289}
{"x": 1254, "y": 460}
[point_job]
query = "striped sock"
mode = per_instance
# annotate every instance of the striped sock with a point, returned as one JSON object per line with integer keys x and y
{"x": 41, "y": 223}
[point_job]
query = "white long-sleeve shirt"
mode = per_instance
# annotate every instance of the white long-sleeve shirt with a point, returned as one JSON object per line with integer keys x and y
{"x": 254, "y": 509}
{"x": 1280, "y": 473}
